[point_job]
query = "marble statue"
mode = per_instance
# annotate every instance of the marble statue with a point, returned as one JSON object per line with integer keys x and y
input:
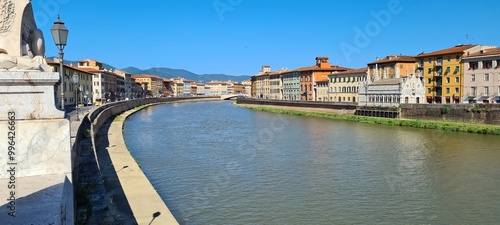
{"x": 22, "y": 45}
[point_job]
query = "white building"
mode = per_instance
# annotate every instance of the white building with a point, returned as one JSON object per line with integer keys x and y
{"x": 391, "y": 92}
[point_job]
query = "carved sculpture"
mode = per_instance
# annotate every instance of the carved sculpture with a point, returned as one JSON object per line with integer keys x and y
{"x": 22, "y": 45}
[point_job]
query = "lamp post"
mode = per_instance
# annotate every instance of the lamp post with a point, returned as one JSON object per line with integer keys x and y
{"x": 60, "y": 36}
{"x": 76, "y": 79}
{"x": 86, "y": 97}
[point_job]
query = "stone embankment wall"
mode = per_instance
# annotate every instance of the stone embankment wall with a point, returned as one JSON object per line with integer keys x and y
{"x": 94, "y": 121}
{"x": 467, "y": 113}
{"x": 305, "y": 104}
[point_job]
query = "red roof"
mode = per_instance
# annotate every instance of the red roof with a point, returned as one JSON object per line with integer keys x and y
{"x": 352, "y": 71}
{"x": 394, "y": 58}
{"x": 455, "y": 49}
{"x": 491, "y": 51}
{"x": 84, "y": 70}
{"x": 316, "y": 68}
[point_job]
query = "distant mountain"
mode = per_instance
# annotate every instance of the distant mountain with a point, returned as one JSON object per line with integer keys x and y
{"x": 173, "y": 73}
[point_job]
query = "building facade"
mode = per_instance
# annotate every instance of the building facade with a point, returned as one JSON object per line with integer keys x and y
{"x": 343, "y": 86}
{"x": 217, "y": 88}
{"x": 310, "y": 75}
{"x": 153, "y": 84}
{"x": 482, "y": 77}
{"x": 262, "y": 84}
{"x": 291, "y": 85}
{"x": 443, "y": 72}
{"x": 74, "y": 93}
{"x": 276, "y": 84}
{"x": 396, "y": 81}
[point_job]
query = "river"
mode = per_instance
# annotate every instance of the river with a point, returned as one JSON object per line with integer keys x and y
{"x": 215, "y": 163}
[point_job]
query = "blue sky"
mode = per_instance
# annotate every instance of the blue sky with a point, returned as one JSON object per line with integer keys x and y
{"x": 237, "y": 37}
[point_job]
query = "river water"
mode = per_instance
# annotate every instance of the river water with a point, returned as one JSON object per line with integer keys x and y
{"x": 215, "y": 163}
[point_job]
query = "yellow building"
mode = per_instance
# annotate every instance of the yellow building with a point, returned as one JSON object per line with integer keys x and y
{"x": 392, "y": 66}
{"x": 322, "y": 90}
{"x": 262, "y": 83}
{"x": 443, "y": 72}
{"x": 343, "y": 86}
{"x": 178, "y": 88}
{"x": 80, "y": 92}
{"x": 153, "y": 84}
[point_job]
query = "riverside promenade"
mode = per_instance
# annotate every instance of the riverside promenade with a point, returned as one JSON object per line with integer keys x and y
{"x": 110, "y": 187}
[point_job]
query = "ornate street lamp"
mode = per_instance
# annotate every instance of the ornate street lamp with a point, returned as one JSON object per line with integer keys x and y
{"x": 76, "y": 79}
{"x": 60, "y": 35}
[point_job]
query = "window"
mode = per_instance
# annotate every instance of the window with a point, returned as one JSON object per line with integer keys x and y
{"x": 429, "y": 71}
{"x": 447, "y": 70}
{"x": 457, "y": 90}
{"x": 429, "y": 60}
{"x": 447, "y": 80}
{"x": 486, "y": 91}
{"x": 428, "y": 90}
{"x": 498, "y": 64}
{"x": 457, "y": 79}
{"x": 487, "y": 64}
{"x": 473, "y": 65}
{"x": 486, "y": 77}
{"x": 473, "y": 91}
{"x": 448, "y": 58}
{"x": 457, "y": 69}
{"x": 447, "y": 90}
{"x": 473, "y": 77}
{"x": 457, "y": 58}
{"x": 429, "y": 80}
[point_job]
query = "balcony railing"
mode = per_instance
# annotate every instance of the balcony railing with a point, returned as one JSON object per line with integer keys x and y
{"x": 439, "y": 64}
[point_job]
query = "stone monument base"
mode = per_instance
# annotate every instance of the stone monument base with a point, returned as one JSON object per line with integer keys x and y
{"x": 35, "y": 151}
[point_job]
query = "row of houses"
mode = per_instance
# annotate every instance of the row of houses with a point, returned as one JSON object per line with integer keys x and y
{"x": 88, "y": 82}
{"x": 459, "y": 74}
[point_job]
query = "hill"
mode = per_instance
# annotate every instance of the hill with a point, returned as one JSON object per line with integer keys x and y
{"x": 173, "y": 73}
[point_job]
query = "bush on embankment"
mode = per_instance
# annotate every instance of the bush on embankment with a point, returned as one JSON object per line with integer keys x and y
{"x": 426, "y": 124}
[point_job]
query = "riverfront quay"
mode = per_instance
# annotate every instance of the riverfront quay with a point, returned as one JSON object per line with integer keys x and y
{"x": 342, "y": 115}
{"x": 111, "y": 187}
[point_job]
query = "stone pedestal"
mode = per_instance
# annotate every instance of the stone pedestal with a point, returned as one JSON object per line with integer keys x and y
{"x": 35, "y": 151}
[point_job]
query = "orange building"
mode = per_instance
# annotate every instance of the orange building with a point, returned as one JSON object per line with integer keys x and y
{"x": 309, "y": 76}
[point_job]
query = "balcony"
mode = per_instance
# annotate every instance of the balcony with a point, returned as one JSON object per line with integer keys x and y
{"x": 420, "y": 66}
{"x": 439, "y": 64}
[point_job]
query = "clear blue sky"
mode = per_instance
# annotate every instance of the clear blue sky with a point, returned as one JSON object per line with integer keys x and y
{"x": 237, "y": 37}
